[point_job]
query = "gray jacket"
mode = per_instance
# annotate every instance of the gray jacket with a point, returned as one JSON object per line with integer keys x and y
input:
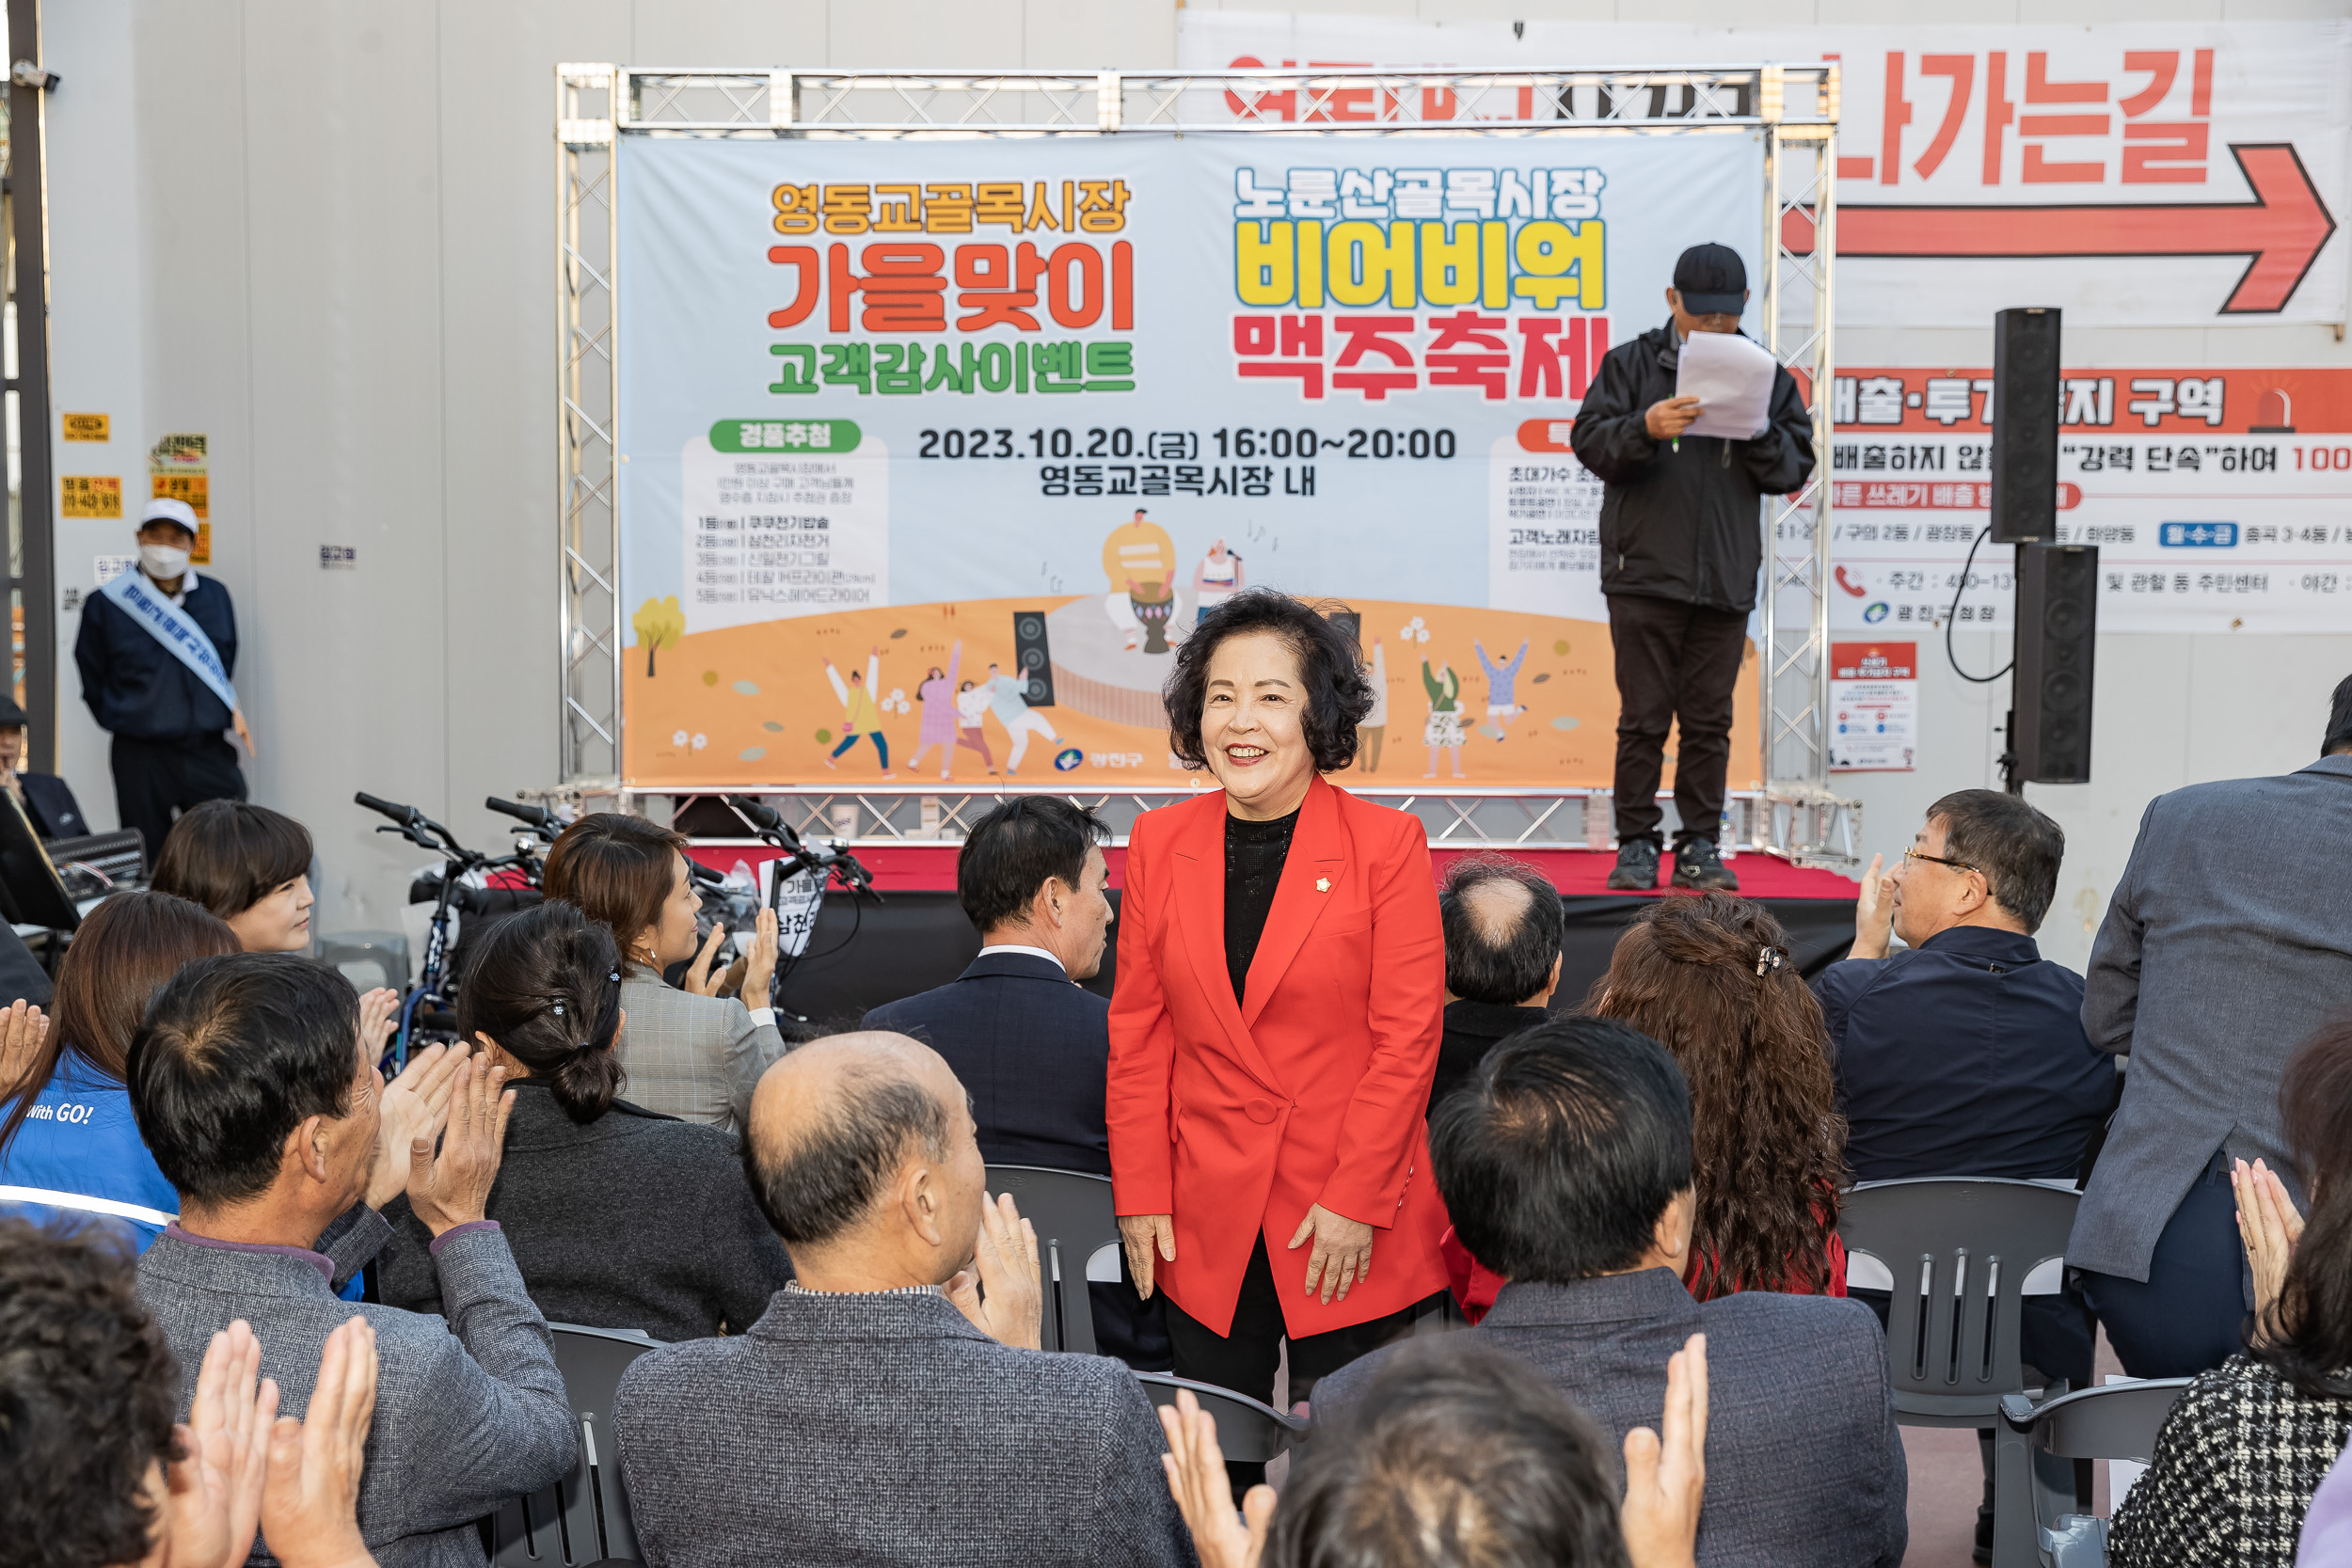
{"x": 468, "y": 1412}
{"x": 1803, "y": 1461}
{"x": 873, "y": 1430}
{"x": 697, "y": 1058}
{"x": 2225, "y": 945}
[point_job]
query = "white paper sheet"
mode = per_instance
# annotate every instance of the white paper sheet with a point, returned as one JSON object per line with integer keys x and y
{"x": 1732, "y": 378}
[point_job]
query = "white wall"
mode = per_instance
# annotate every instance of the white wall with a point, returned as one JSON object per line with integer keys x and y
{"x": 321, "y": 232}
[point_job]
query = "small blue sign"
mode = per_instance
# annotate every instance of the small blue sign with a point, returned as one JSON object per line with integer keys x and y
{"x": 1875, "y": 613}
{"x": 2199, "y": 535}
{"x": 1067, "y": 759}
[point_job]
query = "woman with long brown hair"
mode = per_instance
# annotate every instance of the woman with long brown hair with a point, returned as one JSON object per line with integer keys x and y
{"x": 1711, "y": 979}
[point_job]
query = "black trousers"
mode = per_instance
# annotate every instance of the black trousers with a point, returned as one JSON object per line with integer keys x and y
{"x": 2189, "y": 1316}
{"x": 154, "y": 779}
{"x": 1676, "y": 661}
{"x": 1245, "y": 1359}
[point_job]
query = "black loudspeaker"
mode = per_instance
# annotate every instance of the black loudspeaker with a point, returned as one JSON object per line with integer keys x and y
{"x": 2057, "y": 624}
{"x": 2024, "y": 425}
{"x": 1029, "y": 654}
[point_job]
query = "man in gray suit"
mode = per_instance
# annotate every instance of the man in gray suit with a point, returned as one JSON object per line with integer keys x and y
{"x": 1565, "y": 1161}
{"x": 256, "y": 1088}
{"x": 882, "y": 1411}
{"x": 2225, "y": 945}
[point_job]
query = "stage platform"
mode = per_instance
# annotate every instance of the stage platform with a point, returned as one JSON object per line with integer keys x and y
{"x": 866, "y": 953}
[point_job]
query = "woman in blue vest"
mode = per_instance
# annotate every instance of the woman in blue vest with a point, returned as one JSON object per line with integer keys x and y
{"x": 67, "y": 1138}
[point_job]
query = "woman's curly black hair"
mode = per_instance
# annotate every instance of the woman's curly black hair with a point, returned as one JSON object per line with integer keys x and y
{"x": 87, "y": 1387}
{"x": 1330, "y": 665}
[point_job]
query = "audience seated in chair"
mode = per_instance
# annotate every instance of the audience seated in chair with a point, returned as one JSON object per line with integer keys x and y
{"x": 1502, "y": 927}
{"x": 1030, "y": 1045}
{"x": 690, "y": 1053}
{"x": 2249, "y": 1443}
{"x": 618, "y": 1217}
{"x": 1459, "y": 1455}
{"x": 246, "y": 863}
{"x": 67, "y": 1139}
{"x": 254, "y": 1084}
{"x": 881, "y": 1412}
{"x": 98, "y": 1476}
{"x": 1565, "y": 1163}
{"x": 1712, "y": 980}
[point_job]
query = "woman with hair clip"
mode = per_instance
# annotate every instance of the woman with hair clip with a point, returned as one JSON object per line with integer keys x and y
{"x": 619, "y": 1217}
{"x": 2248, "y": 1443}
{"x": 1711, "y": 979}
{"x": 691, "y": 1052}
{"x": 249, "y": 865}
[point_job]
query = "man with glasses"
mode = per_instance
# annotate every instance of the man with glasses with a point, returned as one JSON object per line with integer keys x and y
{"x": 1963, "y": 1054}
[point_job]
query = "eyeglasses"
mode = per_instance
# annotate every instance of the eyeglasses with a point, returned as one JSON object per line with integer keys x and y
{"x": 1956, "y": 866}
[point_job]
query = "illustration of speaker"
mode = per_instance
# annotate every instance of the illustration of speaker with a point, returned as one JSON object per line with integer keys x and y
{"x": 1030, "y": 655}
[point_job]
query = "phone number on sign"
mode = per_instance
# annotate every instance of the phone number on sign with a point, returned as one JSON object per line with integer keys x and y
{"x": 981, "y": 442}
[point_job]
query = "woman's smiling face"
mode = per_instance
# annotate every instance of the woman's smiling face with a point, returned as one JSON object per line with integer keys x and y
{"x": 1253, "y": 726}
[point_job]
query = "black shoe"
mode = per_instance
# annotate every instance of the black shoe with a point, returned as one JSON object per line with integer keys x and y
{"x": 1637, "y": 865}
{"x": 1698, "y": 865}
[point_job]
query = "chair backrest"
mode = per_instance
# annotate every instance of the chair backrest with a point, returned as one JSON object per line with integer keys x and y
{"x": 1246, "y": 1431}
{"x": 2116, "y": 1421}
{"x": 1958, "y": 1249}
{"x": 583, "y": 1518}
{"x": 1071, "y": 1212}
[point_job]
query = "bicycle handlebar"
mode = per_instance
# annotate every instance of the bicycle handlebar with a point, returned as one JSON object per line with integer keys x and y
{"x": 407, "y": 816}
{"x": 537, "y": 817}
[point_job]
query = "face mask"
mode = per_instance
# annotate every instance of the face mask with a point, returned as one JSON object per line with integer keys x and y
{"x": 163, "y": 561}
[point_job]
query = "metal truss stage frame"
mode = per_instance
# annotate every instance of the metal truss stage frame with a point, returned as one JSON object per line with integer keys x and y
{"x": 1793, "y": 107}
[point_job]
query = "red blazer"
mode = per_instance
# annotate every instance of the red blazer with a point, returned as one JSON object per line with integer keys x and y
{"x": 1236, "y": 1119}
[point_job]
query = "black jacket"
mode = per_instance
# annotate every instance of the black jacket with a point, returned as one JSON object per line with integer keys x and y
{"x": 134, "y": 688}
{"x": 1471, "y": 1030}
{"x": 637, "y": 1220}
{"x": 1964, "y": 1056}
{"x": 1683, "y": 523}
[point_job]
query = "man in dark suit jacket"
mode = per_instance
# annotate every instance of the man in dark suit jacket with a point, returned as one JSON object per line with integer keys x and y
{"x": 1566, "y": 1165}
{"x": 1502, "y": 925}
{"x": 1965, "y": 1054}
{"x": 2224, "y": 946}
{"x": 883, "y": 1412}
{"x": 1029, "y": 1044}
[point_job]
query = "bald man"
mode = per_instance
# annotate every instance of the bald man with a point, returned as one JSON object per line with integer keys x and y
{"x": 1502, "y": 927}
{"x": 892, "y": 1405}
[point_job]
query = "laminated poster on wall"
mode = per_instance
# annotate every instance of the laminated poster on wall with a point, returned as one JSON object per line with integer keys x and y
{"x": 938, "y": 451}
{"x": 1873, "y": 707}
{"x": 177, "y": 467}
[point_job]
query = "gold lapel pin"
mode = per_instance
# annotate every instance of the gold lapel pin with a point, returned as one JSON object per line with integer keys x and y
{"x": 1322, "y": 884}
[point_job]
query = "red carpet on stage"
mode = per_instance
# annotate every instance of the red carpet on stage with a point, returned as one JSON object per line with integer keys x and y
{"x": 1577, "y": 873}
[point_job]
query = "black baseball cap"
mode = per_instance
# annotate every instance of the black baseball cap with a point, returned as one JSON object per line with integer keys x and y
{"x": 1713, "y": 281}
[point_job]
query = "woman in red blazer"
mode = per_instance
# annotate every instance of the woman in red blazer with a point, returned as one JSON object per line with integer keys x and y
{"x": 1275, "y": 1023}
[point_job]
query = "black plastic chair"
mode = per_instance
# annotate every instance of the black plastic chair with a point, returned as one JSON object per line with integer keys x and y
{"x": 1960, "y": 1249}
{"x": 582, "y": 1519}
{"x": 1071, "y": 1212}
{"x": 2120, "y": 1420}
{"x": 1248, "y": 1432}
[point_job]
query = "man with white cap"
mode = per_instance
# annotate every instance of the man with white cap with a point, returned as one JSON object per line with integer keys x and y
{"x": 157, "y": 647}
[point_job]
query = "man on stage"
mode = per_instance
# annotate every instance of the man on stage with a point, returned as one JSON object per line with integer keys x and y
{"x": 1681, "y": 538}
{"x": 157, "y": 647}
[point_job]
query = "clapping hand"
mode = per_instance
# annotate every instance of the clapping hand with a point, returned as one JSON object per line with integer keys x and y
{"x": 2269, "y": 1226}
{"x": 451, "y": 1188}
{"x": 416, "y": 1105}
{"x": 213, "y": 1492}
{"x": 309, "y": 1506}
{"x": 24, "y": 1029}
{"x": 1204, "y": 1490}
{"x": 1666, "y": 1480}
{"x": 759, "y": 964}
{"x": 1004, "y": 1267}
{"x": 1873, "y": 912}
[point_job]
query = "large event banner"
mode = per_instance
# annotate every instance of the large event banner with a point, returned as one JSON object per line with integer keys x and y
{"x": 935, "y": 452}
{"x": 2218, "y": 499}
{"x": 2155, "y": 173}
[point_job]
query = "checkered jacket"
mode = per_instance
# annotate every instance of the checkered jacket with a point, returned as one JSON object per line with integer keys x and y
{"x": 2233, "y": 1473}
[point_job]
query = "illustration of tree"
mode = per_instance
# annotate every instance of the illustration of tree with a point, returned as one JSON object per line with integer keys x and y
{"x": 658, "y": 622}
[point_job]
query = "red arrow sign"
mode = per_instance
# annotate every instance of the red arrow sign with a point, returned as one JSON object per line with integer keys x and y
{"x": 2282, "y": 228}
